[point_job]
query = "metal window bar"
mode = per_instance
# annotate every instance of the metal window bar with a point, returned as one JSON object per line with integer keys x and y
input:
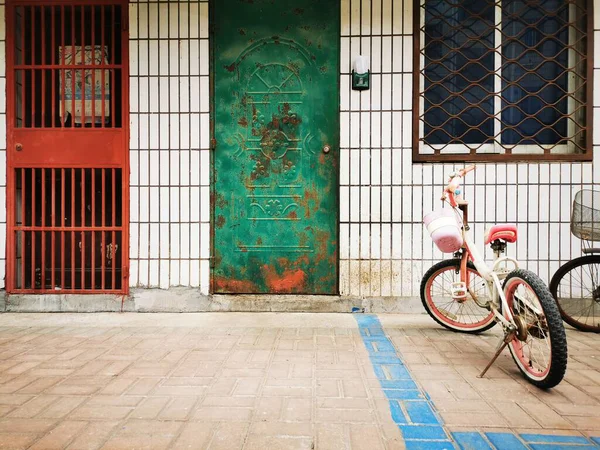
{"x": 499, "y": 78}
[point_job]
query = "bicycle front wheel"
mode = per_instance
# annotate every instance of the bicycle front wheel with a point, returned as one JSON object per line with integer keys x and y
{"x": 463, "y": 315}
{"x": 576, "y": 288}
{"x": 539, "y": 346}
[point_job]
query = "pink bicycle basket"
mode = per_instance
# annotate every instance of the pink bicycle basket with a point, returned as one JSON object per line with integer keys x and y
{"x": 444, "y": 230}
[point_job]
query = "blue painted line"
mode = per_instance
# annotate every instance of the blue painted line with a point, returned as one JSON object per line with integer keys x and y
{"x": 372, "y": 331}
{"x": 414, "y": 412}
{"x": 368, "y": 321}
{"x": 391, "y": 372}
{"x": 423, "y": 432}
{"x": 373, "y": 355}
{"x": 398, "y": 415}
{"x": 505, "y": 441}
{"x": 385, "y": 359}
{"x": 429, "y": 445}
{"x": 562, "y": 446}
{"x": 421, "y": 412}
{"x": 552, "y": 439}
{"x": 410, "y": 408}
{"x": 398, "y": 384}
{"x": 404, "y": 394}
{"x": 380, "y": 347}
{"x": 367, "y": 337}
{"x": 471, "y": 441}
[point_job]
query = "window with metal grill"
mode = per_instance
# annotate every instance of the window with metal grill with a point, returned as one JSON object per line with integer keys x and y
{"x": 500, "y": 80}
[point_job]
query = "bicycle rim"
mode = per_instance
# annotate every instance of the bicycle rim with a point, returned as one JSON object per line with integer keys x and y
{"x": 533, "y": 351}
{"x": 576, "y": 287}
{"x": 458, "y": 315}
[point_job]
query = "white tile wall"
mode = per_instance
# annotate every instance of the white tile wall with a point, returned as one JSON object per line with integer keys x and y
{"x": 384, "y": 247}
{"x": 170, "y": 161}
{"x": 383, "y": 196}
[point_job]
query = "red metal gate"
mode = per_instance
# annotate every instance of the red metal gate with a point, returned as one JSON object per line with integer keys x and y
{"x": 67, "y": 132}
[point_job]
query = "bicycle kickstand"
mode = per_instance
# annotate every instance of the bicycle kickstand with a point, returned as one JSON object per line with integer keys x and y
{"x": 501, "y": 346}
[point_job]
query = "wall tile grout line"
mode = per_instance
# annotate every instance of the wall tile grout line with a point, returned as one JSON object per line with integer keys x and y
{"x": 392, "y": 246}
{"x": 169, "y": 144}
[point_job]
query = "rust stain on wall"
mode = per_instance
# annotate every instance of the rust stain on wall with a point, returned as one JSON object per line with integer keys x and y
{"x": 289, "y": 281}
{"x": 220, "y": 222}
{"x": 234, "y": 285}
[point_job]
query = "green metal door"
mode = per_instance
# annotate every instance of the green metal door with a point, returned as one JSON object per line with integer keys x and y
{"x": 276, "y": 137}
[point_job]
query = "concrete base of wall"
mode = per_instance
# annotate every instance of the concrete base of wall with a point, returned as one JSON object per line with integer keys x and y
{"x": 64, "y": 303}
{"x": 191, "y": 300}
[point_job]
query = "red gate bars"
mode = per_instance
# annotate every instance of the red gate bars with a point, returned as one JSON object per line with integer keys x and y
{"x": 67, "y": 83}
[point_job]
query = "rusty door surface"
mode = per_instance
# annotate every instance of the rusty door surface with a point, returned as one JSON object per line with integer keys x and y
{"x": 67, "y": 127}
{"x": 276, "y": 137}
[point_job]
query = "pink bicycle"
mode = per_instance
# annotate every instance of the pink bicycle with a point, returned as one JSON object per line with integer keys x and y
{"x": 466, "y": 294}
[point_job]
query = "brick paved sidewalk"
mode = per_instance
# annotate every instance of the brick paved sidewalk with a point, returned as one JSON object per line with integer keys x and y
{"x": 270, "y": 381}
{"x": 446, "y": 364}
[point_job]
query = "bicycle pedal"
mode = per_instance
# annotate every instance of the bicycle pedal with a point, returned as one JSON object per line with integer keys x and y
{"x": 459, "y": 290}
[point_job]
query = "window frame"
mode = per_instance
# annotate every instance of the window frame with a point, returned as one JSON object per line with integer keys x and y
{"x": 489, "y": 152}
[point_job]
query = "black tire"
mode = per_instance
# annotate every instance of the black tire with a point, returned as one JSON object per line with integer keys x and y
{"x": 551, "y": 330}
{"x": 569, "y": 271}
{"x": 436, "y": 314}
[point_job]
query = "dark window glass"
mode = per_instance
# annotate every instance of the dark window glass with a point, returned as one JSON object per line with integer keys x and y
{"x": 534, "y": 72}
{"x": 511, "y": 73}
{"x": 459, "y": 66}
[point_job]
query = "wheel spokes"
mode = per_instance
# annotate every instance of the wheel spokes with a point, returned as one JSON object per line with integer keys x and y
{"x": 578, "y": 294}
{"x": 535, "y": 351}
{"x": 462, "y": 311}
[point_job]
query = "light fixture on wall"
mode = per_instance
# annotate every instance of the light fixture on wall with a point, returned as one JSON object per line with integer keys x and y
{"x": 360, "y": 74}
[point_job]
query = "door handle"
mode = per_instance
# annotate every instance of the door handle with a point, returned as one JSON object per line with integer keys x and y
{"x": 18, "y": 147}
{"x": 326, "y": 148}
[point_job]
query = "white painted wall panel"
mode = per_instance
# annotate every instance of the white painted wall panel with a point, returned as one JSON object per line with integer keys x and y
{"x": 383, "y": 195}
{"x": 536, "y": 195}
{"x": 169, "y": 149}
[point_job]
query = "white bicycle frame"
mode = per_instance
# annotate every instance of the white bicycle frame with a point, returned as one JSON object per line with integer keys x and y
{"x": 492, "y": 275}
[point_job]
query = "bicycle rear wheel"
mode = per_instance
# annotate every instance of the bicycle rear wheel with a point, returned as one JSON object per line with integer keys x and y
{"x": 576, "y": 288}
{"x": 539, "y": 346}
{"x": 458, "y": 315}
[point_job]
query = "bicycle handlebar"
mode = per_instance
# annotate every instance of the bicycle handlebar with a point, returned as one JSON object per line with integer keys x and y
{"x": 452, "y": 191}
{"x": 466, "y": 170}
